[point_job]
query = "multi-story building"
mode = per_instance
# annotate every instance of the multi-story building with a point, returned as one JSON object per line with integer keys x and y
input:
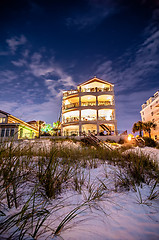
{"x": 13, "y": 127}
{"x": 150, "y": 112}
{"x": 89, "y": 108}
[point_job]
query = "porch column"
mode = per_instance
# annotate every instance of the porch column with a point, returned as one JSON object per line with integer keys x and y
{"x": 97, "y": 124}
{"x": 80, "y": 125}
{"x": 96, "y": 101}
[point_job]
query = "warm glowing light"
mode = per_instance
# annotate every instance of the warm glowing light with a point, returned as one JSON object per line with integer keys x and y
{"x": 130, "y": 136}
{"x": 67, "y": 102}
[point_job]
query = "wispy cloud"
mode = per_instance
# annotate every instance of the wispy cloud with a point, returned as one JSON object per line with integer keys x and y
{"x": 15, "y": 42}
{"x": 7, "y": 76}
{"x": 136, "y": 71}
{"x": 96, "y": 12}
{"x": 19, "y": 63}
{"x": 48, "y": 110}
{"x": 54, "y": 76}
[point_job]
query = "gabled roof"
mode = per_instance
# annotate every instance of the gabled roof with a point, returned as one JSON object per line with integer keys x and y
{"x": 5, "y": 113}
{"x": 93, "y": 80}
{"x": 17, "y": 120}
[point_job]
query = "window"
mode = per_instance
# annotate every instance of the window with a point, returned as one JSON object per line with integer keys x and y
{"x": 2, "y": 132}
{"x": 142, "y": 113}
{"x": 7, "y": 132}
{"x": 12, "y": 132}
{"x": 151, "y": 107}
{"x": 155, "y": 137}
{"x": 151, "y": 113}
{"x": 2, "y": 120}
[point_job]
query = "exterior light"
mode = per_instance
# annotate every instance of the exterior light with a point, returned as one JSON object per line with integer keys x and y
{"x": 130, "y": 136}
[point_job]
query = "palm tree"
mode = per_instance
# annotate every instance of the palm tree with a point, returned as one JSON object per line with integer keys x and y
{"x": 40, "y": 123}
{"x": 138, "y": 127}
{"x": 147, "y": 126}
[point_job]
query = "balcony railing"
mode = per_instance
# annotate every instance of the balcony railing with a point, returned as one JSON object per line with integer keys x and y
{"x": 71, "y": 119}
{"x": 105, "y": 103}
{"x": 88, "y": 118}
{"x": 71, "y": 105}
{"x": 96, "y": 89}
{"x": 65, "y": 94}
{"x": 88, "y": 103}
{"x": 105, "y": 118}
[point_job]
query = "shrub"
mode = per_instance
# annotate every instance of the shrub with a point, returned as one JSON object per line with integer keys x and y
{"x": 149, "y": 142}
{"x": 121, "y": 141}
{"x": 110, "y": 141}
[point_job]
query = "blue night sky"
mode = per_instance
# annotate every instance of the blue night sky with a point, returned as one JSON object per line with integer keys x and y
{"x": 50, "y": 46}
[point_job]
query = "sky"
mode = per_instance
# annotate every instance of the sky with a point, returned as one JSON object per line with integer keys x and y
{"x": 47, "y": 46}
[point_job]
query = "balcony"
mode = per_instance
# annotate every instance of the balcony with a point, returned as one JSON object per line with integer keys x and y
{"x": 65, "y": 94}
{"x": 88, "y": 118}
{"x": 96, "y": 89}
{"x": 68, "y": 93}
{"x": 88, "y": 104}
{"x": 106, "y": 118}
{"x": 71, "y": 119}
{"x": 105, "y": 103}
{"x": 71, "y": 105}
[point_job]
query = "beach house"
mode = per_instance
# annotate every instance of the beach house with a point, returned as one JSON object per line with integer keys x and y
{"x": 90, "y": 108}
{"x": 13, "y": 127}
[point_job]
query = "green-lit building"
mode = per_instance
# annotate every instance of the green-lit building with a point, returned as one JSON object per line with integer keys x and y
{"x": 13, "y": 127}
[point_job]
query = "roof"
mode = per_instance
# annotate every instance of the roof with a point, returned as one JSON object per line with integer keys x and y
{"x": 95, "y": 79}
{"x": 18, "y": 120}
{"x": 5, "y": 113}
{"x": 9, "y": 124}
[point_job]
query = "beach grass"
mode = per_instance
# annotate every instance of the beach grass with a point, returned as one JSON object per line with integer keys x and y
{"x": 34, "y": 176}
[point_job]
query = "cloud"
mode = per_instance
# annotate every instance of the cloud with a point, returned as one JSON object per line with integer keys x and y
{"x": 47, "y": 111}
{"x": 44, "y": 70}
{"x": 15, "y": 42}
{"x": 132, "y": 72}
{"x": 19, "y": 63}
{"x": 54, "y": 76}
{"x": 96, "y": 12}
{"x": 7, "y": 76}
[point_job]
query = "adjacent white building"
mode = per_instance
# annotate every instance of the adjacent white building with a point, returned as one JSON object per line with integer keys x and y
{"x": 150, "y": 112}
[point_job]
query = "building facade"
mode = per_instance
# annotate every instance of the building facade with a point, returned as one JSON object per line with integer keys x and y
{"x": 13, "y": 127}
{"x": 150, "y": 112}
{"x": 89, "y": 108}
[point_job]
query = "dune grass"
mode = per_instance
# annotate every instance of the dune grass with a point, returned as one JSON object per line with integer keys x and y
{"x": 32, "y": 178}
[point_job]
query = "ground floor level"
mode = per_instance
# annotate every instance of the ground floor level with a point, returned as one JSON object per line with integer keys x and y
{"x": 16, "y": 131}
{"x": 100, "y": 129}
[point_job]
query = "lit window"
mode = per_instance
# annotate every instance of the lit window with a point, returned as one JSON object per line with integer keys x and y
{"x": 2, "y": 120}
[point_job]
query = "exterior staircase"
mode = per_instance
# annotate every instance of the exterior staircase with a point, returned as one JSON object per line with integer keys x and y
{"x": 140, "y": 141}
{"x": 105, "y": 128}
{"x": 94, "y": 140}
